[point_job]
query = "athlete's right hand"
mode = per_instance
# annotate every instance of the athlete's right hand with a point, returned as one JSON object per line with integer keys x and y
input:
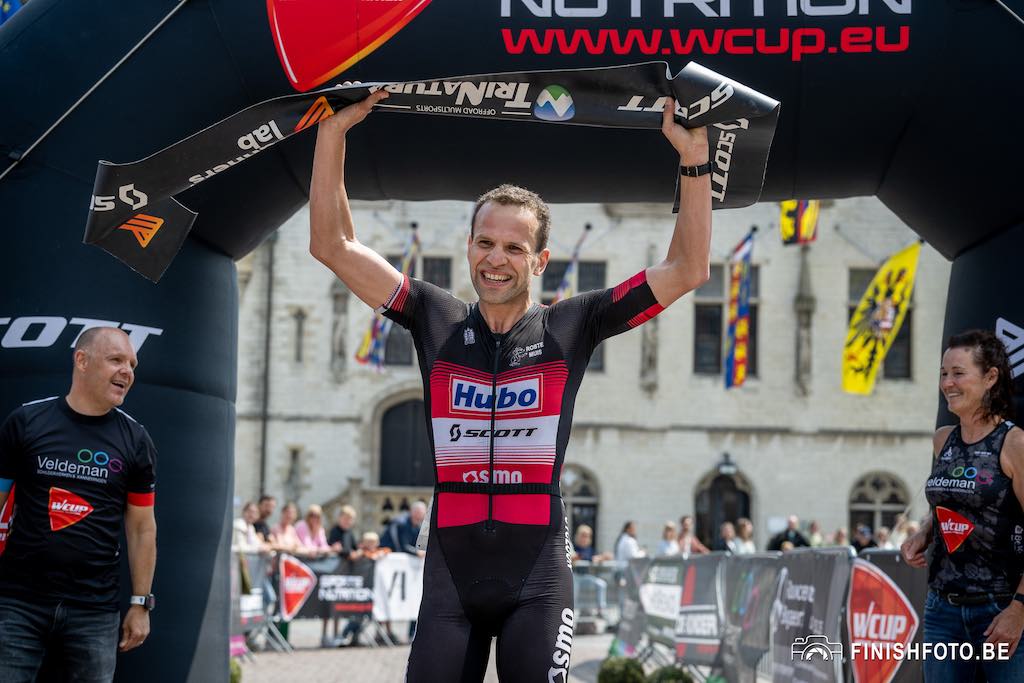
{"x": 913, "y": 550}
{"x": 343, "y": 120}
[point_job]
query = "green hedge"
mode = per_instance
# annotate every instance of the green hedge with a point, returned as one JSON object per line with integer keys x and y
{"x": 620, "y": 670}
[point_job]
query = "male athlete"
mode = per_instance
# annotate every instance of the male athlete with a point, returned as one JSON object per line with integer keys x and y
{"x": 500, "y": 378}
{"x": 83, "y": 470}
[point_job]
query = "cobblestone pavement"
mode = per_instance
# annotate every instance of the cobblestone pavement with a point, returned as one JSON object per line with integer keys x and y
{"x": 311, "y": 664}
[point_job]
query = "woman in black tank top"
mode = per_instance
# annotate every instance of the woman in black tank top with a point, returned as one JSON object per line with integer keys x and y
{"x": 976, "y": 526}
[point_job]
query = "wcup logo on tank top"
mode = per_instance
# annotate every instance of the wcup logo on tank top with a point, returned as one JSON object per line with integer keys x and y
{"x": 955, "y": 528}
{"x": 86, "y": 465}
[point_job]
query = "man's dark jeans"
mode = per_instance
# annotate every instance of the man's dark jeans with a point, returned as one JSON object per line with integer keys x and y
{"x": 81, "y": 640}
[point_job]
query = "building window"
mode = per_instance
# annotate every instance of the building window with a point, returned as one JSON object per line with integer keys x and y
{"x": 398, "y": 349}
{"x": 581, "y": 498}
{"x": 590, "y": 275}
{"x": 300, "y": 327}
{"x": 711, "y": 320}
{"x": 876, "y": 500}
{"x": 898, "y": 361}
{"x": 404, "y": 448}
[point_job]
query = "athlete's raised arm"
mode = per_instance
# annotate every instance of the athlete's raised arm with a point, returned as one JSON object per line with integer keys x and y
{"x": 686, "y": 266}
{"x": 332, "y": 237}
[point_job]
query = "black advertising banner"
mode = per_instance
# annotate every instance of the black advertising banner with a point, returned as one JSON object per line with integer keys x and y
{"x": 660, "y": 594}
{"x": 751, "y": 587}
{"x": 341, "y": 588}
{"x": 134, "y": 217}
{"x": 699, "y": 624}
{"x": 808, "y": 616}
{"x": 633, "y": 621}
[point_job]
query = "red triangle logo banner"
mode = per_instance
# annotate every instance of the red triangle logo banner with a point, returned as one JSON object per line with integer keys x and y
{"x": 318, "y": 39}
{"x": 877, "y": 613}
{"x": 297, "y": 583}
{"x": 66, "y": 508}
{"x": 955, "y": 528}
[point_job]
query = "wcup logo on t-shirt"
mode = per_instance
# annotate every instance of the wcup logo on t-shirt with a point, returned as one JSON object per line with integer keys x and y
{"x": 66, "y": 508}
{"x": 955, "y": 528}
{"x": 521, "y": 397}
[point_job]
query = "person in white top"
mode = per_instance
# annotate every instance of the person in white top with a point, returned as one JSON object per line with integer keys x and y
{"x": 744, "y": 537}
{"x": 668, "y": 544}
{"x": 627, "y": 547}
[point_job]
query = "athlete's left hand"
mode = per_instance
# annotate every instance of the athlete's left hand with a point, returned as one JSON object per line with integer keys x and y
{"x": 135, "y": 628}
{"x": 691, "y": 144}
{"x": 1007, "y": 627}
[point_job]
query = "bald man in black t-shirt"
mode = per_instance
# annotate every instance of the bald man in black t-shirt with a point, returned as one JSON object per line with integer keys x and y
{"x": 82, "y": 468}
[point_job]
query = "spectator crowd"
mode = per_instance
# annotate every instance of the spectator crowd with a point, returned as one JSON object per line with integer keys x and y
{"x": 308, "y": 538}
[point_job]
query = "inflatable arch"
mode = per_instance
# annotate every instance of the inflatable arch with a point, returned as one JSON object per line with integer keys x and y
{"x": 913, "y": 101}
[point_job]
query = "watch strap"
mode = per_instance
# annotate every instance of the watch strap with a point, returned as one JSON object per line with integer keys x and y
{"x": 1019, "y": 597}
{"x": 695, "y": 171}
{"x": 147, "y": 601}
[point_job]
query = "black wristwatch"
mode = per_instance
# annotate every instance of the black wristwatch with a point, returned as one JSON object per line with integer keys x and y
{"x": 147, "y": 601}
{"x": 695, "y": 171}
{"x": 1019, "y": 597}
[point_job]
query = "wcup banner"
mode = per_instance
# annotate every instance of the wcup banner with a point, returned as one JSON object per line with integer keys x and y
{"x": 752, "y": 585}
{"x": 808, "y": 615}
{"x": 885, "y": 597}
{"x": 134, "y": 216}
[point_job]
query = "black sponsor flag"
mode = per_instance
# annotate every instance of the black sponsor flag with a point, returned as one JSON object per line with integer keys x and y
{"x": 133, "y": 217}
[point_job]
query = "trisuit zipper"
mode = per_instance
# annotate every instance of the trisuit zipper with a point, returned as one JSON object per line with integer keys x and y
{"x": 489, "y": 526}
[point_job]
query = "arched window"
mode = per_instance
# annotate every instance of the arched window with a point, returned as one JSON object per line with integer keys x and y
{"x": 581, "y": 497}
{"x": 404, "y": 447}
{"x": 721, "y": 497}
{"x": 876, "y": 499}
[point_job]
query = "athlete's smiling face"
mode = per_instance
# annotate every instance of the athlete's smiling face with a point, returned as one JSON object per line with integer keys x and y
{"x": 502, "y": 253}
{"x": 963, "y": 382}
{"x": 107, "y": 368}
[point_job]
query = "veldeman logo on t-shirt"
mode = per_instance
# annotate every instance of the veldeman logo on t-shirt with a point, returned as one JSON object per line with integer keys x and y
{"x": 87, "y": 465}
{"x": 66, "y": 508}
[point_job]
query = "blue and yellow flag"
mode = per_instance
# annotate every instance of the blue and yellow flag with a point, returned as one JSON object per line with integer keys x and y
{"x": 738, "y": 335}
{"x": 878, "y": 319}
{"x": 568, "y": 286}
{"x": 8, "y": 8}
{"x": 371, "y": 349}
{"x": 798, "y": 220}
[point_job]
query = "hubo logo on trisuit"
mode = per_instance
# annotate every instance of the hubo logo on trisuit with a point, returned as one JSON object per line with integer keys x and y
{"x": 954, "y": 528}
{"x": 474, "y": 399}
{"x": 961, "y": 478}
{"x": 66, "y": 508}
{"x": 554, "y": 104}
{"x": 86, "y": 465}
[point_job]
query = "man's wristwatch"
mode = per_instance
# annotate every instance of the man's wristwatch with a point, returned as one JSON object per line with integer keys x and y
{"x": 147, "y": 601}
{"x": 695, "y": 171}
{"x": 1019, "y": 597}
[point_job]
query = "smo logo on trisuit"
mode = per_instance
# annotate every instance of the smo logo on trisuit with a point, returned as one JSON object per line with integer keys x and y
{"x": 66, "y": 508}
